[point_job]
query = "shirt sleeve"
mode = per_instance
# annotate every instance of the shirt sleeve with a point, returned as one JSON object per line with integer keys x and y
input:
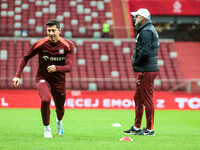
{"x": 146, "y": 42}
{"x": 23, "y": 61}
{"x": 68, "y": 61}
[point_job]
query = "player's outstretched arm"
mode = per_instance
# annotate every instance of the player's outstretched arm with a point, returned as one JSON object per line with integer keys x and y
{"x": 16, "y": 81}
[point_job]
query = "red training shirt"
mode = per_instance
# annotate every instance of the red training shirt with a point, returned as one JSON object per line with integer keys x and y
{"x": 59, "y": 54}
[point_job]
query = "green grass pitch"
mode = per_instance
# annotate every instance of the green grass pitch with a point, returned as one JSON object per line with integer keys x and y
{"x": 22, "y": 129}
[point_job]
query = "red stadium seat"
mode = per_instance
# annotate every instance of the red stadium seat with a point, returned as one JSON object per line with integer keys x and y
{"x": 101, "y": 62}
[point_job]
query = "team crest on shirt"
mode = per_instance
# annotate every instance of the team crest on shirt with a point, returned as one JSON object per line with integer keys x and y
{"x": 61, "y": 51}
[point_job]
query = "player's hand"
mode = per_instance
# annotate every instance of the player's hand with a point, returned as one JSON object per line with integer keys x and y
{"x": 16, "y": 81}
{"x": 51, "y": 68}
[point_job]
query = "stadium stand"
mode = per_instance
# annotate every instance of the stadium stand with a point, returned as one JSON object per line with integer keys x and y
{"x": 79, "y": 18}
{"x": 99, "y": 65}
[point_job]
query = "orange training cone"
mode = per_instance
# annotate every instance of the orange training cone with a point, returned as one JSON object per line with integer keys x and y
{"x": 126, "y": 138}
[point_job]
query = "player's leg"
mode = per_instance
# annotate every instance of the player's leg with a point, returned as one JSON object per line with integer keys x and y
{"x": 44, "y": 89}
{"x": 59, "y": 99}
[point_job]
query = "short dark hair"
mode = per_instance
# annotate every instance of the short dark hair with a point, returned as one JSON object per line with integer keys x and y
{"x": 52, "y": 22}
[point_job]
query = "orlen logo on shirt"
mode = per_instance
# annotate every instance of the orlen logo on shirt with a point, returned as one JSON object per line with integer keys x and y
{"x": 45, "y": 58}
{"x": 53, "y": 58}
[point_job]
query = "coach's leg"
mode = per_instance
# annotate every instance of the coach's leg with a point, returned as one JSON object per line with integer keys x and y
{"x": 139, "y": 102}
{"x": 147, "y": 94}
{"x": 44, "y": 90}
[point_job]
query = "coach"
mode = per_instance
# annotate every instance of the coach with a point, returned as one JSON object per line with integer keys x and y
{"x": 145, "y": 64}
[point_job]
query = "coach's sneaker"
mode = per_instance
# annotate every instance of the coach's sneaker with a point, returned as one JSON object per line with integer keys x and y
{"x": 59, "y": 127}
{"x": 132, "y": 130}
{"x": 145, "y": 131}
{"x": 47, "y": 132}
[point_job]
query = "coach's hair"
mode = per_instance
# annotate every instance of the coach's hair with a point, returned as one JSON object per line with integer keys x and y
{"x": 52, "y": 22}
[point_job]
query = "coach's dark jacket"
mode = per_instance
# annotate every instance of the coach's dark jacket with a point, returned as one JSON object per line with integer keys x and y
{"x": 145, "y": 54}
